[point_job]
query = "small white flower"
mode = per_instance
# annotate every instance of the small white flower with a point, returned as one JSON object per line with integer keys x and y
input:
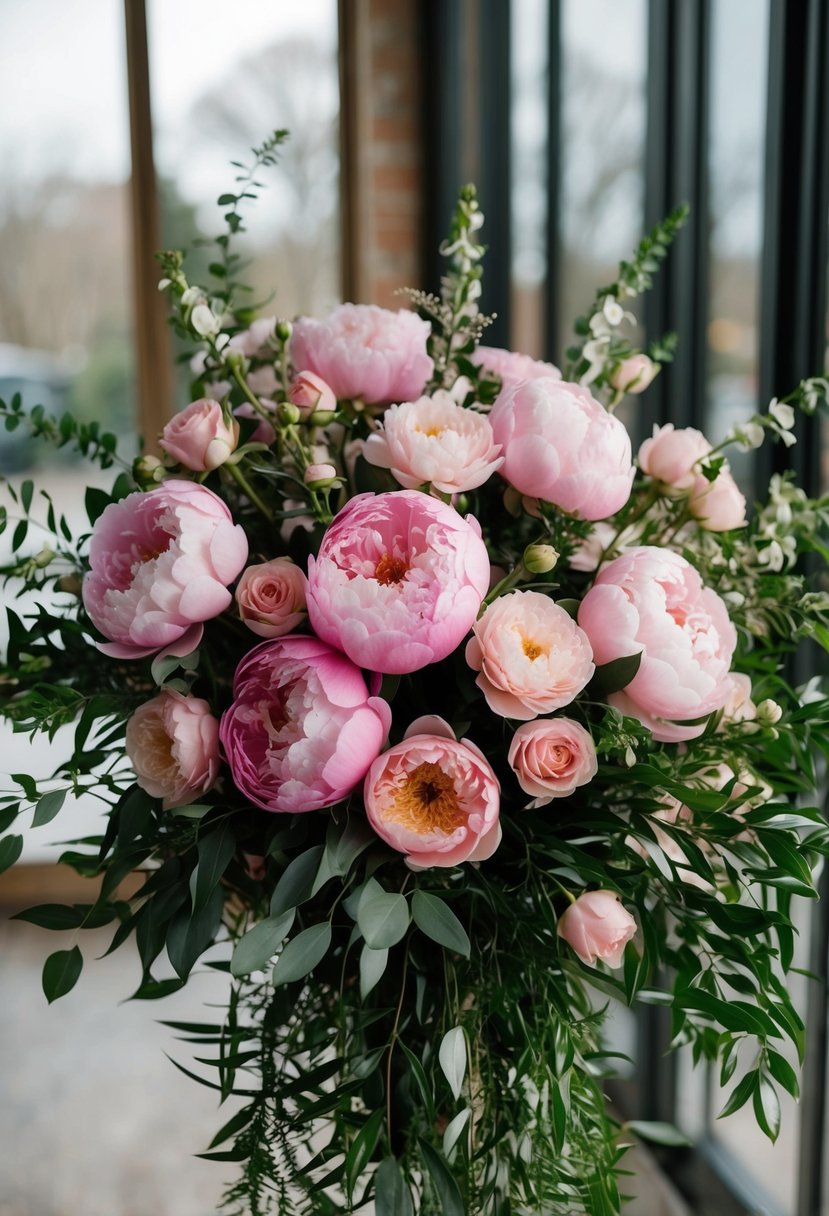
{"x": 782, "y": 414}
{"x": 192, "y": 296}
{"x": 613, "y": 311}
{"x": 204, "y": 321}
{"x": 771, "y": 556}
{"x": 163, "y": 284}
{"x": 748, "y": 436}
{"x": 769, "y": 712}
{"x": 788, "y": 438}
{"x": 222, "y": 341}
{"x": 735, "y": 599}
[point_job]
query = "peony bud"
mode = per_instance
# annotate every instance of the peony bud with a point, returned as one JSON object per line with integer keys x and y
{"x": 284, "y": 329}
{"x": 633, "y": 375}
{"x": 147, "y": 471}
{"x": 312, "y": 396}
{"x": 288, "y": 414}
{"x": 320, "y": 476}
{"x": 769, "y": 712}
{"x": 540, "y": 559}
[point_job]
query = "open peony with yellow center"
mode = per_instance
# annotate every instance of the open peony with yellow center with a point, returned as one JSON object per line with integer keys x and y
{"x": 532, "y": 656}
{"x": 434, "y": 798}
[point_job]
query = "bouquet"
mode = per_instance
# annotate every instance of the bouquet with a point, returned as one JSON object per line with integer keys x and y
{"x": 436, "y": 720}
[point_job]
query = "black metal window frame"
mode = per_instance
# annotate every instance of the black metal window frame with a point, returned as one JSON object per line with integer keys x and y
{"x": 468, "y": 134}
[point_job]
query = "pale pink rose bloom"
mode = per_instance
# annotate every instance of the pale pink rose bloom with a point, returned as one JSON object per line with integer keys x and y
{"x": 160, "y": 564}
{"x": 398, "y": 580}
{"x": 302, "y": 729}
{"x": 635, "y": 374}
{"x": 738, "y": 705}
{"x": 251, "y": 340}
{"x": 652, "y": 601}
{"x": 532, "y": 656}
{"x": 671, "y": 456}
{"x": 551, "y": 758}
{"x": 437, "y": 441}
{"x": 271, "y": 597}
{"x": 562, "y": 446}
{"x": 597, "y": 927}
{"x": 198, "y": 437}
{"x": 311, "y": 395}
{"x": 719, "y": 505}
{"x": 434, "y": 798}
{"x": 512, "y": 367}
{"x": 365, "y": 352}
{"x": 173, "y": 745}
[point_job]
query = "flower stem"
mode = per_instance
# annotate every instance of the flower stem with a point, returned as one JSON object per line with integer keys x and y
{"x": 239, "y": 477}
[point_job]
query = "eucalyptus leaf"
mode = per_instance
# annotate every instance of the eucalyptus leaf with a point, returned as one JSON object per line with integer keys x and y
{"x": 454, "y": 1130}
{"x": 302, "y": 953}
{"x": 297, "y": 881}
{"x": 372, "y": 966}
{"x": 437, "y": 920}
{"x": 215, "y": 851}
{"x": 48, "y": 807}
{"x": 452, "y": 1059}
{"x": 383, "y": 918}
{"x": 258, "y": 946}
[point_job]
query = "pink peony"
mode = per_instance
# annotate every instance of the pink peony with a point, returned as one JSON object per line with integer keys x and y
{"x": 199, "y": 437}
{"x": 271, "y": 597}
{"x": 597, "y": 927}
{"x": 398, "y": 580}
{"x": 532, "y": 656}
{"x": 173, "y": 745}
{"x": 437, "y": 441}
{"x": 302, "y": 729}
{"x": 366, "y": 352}
{"x": 160, "y": 564}
{"x": 512, "y": 367}
{"x": 652, "y": 601}
{"x": 634, "y": 374}
{"x": 551, "y": 758}
{"x": 671, "y": 456}
{"x": 311, "y": 395}
{"x": 738, "y": 705}
{"x": 719, "y": 505}
{"x": 560, "y": 445}
{"x": 434, "y": 798}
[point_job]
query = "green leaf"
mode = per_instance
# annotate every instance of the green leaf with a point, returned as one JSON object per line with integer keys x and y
{"x": 47, "y": 807}
{"x": 96, "y": 502}
{"x": 10, "y": 849}
{"x": 372, "y": 965}
{"x": 452, "y": 1058}
{"x": 767, "y": 1108}
{"x": 196, "y": 810}
{"x": 391, "y": 1194}
{"x": 364, "y": 1144}
{"x": 658, "y": 1133}
{"x": 449, "y": 1197}
{"x": 258, "y": 946}
{"x": 61, "y": 916}
{"x": 189, "y": 934}
{"x": 741, "y": 1094}
{"x": 215, "y": 851}
{"x": 61, "y": 972}
{"x": 297, "y": 881}
{"x": 383, "y": 918}
{"x": 27, "y": 489}
{"x": 613, "y": 676}
{"x": 783, "y": 1072}
{"x": 302, "y": 954}
{"x": 454, "y": 1129}
{"x": 437, "y": 920}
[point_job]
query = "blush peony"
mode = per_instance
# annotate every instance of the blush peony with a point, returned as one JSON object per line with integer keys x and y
{"x": 562, "y": 446}
{"x": 365, "y": 352}
{"x": 271, "y": 597}
{"x": 513, "y": 367}
{"x": 173, "y": 744}
{"x": 434, "y": 798}
{"x": 199, "y": 437}
{"x": 302, "y": 729}
{"x": 652, "y": 602}
{"x": 398, "y": 580}
{"x": 532, "y": 656}
{"x": 551, "y": 758}
{"x": 435, "y": 440}
{"x": 597, "y": 927}
{"x": 160, "y": 564}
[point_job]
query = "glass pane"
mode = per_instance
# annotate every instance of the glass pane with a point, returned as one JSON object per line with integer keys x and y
{"x": 604, "y": 61}
{"x": 736, "y": 151}
{"x": 271, "y": 65}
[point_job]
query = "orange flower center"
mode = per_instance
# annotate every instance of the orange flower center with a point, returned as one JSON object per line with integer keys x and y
{"x": 427, "y": 802}
{"x": 390, "y": 570}
{"x": 532, "y": 649}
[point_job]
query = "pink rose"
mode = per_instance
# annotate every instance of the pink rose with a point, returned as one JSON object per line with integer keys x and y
{"x": 512, "y": 367}
{"x": 532, "y": 656}
{"x": 719, "y": 505}
{"x": 437, "y": 441}
{"x": 173, "y": 745}
{"x": 597, "y": 927}
{"x": 366, "y": 352}
{"x": 652, "y": 602}
{"x": 551, "y": 758}
{"x": 311, "y": 395}
{"x": 271, "y": 597}
{"x": 264, "y": 433}
{"x": 302, "y": 729}
{"x": 160, "y": 564}
{"x": 398, "y": 580}
{"x": 198, "y": 437}
{"x": 633, "y": 375}
{"x": 560, "y": 445}
{"x": 434, "y": 798}
{"x": 671, "y": 456}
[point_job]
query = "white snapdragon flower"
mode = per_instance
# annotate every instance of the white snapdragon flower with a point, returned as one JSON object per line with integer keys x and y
{"x": 782, "y": 414}
{"x": 204, "y": 321}
{"x": 747, "y": 437}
